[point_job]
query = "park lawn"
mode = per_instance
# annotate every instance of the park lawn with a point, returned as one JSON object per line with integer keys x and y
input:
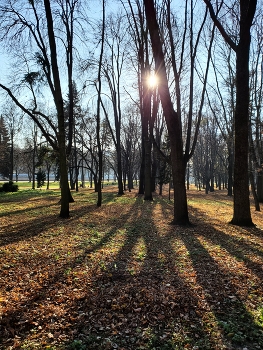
{"x": 122, "y": 277}
{"x": 25, "y": 185}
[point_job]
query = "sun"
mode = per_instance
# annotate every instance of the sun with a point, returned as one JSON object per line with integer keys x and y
{"x": 152, "y": 80}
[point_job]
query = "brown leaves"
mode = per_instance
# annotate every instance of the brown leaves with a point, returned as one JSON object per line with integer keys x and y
{"x": 122, "y": 277}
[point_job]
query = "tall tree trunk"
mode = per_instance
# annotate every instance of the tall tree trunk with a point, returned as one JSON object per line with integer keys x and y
{"x": 146, "y": 115}
{"x": 142, "y": 167}
{"x": 48, "y": 176}
{"x": 65, "y": 192}
{"x": 34, "y": 158}
{"x": 172, "y": 118}
{"x": 230, "y": 172}
{"x": 260, "y": 186}
{"x": 253, "y": 187}
{"x": 119, "y": 170}
{"x": 178, "y": 173}
{"x": 12, "y": 156}
{"x": 242, "y": 214}
{"x": 147, "y": 172}
{"x": 100, "y": 153}
{"x": 188, "y": 177}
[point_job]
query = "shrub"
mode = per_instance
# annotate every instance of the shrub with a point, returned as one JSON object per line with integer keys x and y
{"x": 41, "y": 177}
{"x": 9, "y": 187}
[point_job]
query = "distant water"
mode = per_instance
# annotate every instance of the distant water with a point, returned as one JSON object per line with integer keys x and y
{"x": 24, "y": 177}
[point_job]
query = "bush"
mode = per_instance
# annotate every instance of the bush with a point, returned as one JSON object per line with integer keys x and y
{"x": 9, "y": 187}
{"x": 41, "y": 178}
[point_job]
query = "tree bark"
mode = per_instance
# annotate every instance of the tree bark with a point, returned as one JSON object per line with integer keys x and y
{"x": 242, "y": 214}
{"x": 65, "y": 192}
{"x": 172, "y": 120}
{"x": 230, "y": 172}
{"x": 253, "y": 187}
{"x": 98, "y": 126}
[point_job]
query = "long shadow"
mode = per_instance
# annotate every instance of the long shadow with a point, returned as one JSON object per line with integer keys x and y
{"x": 143, "y": 289}
{"x": 138, "y": 294}
{"x": 223, "y": 294}
{"x": 28, "y": 210}
{"x": 26, "y": 230}
{"x": 235, "y": 245}
{"x": 51, "y": 279}
{"x": 24, "y": 196}
{"x": 256, "y": 231}
{"x": 22, "y": 231}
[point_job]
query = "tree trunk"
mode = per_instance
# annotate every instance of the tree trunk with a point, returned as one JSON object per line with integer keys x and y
{"x": 172, "y": 118}
{"x": 260, "y": 186}
{"x": 188, "y": 177}
{"x": 160, "y": 189}
{"x": 48, "y": 176}
{"x": 96, "y": 184}
{"x": 99, "y": 184}
{"x": 12, "y": 156}
{"x": 119, "y": 170}
{"x": 242, "y": 215}
{"x": 65, "y": 192}
{"x": 98, "y": 126}
{"x": 148, "y": 173}
{"x": 154, "y": 171}
{"x": 253, "y": 189}
{"x": 178, "y": 173}
{"x": 230, "y": 174}
{"x": 219, "y": 182}
{"x": 142, "y": 169}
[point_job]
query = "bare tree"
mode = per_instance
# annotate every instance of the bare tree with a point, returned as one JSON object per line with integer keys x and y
{"x": 256, "y": 95}
{"x": 221, "y": 100}
{"x": 98, "y": 116}
{"x": 140, "y": 36}
{"x": 26, "y": 24}
{"x": 14, "y": 122}
{"x": 180, "y": 154}
{"x": 112, "y": 70}
{"x": 242, "y": 214}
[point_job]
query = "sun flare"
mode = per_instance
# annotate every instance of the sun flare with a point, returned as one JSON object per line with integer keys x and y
{"x": 152, "y": 80}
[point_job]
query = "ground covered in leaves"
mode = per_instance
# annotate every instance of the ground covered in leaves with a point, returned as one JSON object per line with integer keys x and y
{"x": 122, "y": 277}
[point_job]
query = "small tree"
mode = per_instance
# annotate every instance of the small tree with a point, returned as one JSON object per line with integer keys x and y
{"x": 4, "y": 149}
{"x": 41, "y": 178}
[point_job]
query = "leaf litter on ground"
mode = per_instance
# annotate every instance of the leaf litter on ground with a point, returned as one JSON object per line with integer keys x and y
{"x": 122, "y": 277}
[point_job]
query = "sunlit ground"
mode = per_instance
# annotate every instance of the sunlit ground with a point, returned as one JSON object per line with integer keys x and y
{"x": 122, "y": 277}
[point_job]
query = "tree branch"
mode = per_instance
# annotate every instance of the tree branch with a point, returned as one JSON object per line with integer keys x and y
{"x": 219, "y": 25}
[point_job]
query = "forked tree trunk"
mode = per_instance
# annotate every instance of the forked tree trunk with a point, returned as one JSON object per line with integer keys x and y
{"x": 172, "y": 118}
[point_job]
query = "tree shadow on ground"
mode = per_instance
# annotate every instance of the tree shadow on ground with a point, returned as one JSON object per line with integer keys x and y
{"x": 47, "y": 278}
{"x": 23, "y": 224}
{"x": 148, "y": 296}
{"x": 141, "y": 287}
{"x": 141, "y": 284}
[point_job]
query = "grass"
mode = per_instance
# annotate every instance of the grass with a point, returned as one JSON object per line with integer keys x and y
{"x": 25, "y": 185}
{"x": 121, "y": 277}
